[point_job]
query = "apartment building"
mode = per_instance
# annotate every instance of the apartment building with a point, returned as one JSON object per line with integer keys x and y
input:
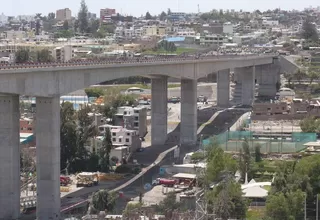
{"x": 227, "y": 28}
{"x": 63, "y": 14}
{"x": 134, "y": 118}
{"x": 63, "y": 53}
{"x": 154, "y": 30}
{"x": 208, "y": 40}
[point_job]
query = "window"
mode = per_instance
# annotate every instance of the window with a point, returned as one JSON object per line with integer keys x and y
{"x": 114, "y": 134}
{"x": 128, "y": 134}
{"x": 127, "y": 140}
{"x": 29, "y": 129}
{"x": 124, "y": 112}
{"x": 114, "y": 139}
{"x": 136, "y": 111}
{"x": 136, "y": 124}
{"x": 136, "y": 118}
{"x": 120, "y": 140}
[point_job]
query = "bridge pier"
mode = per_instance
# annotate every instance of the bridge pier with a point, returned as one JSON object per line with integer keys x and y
{"x": 159, "y": 110}
{"x": 268, "y": 76}
{"x": 245, "y": 78}
{"x": 223, "y": 88}
{"x": 48, "y": 158}
{"x": 9, "y": 157}
{"x": 189, "y": 112}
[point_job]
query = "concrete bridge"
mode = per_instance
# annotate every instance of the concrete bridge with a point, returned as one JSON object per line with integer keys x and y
{"x": 47, "y": 82}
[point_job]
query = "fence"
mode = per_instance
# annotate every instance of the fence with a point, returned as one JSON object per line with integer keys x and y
{"x": 232, "y": 141}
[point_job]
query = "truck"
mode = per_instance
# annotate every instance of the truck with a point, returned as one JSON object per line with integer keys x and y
{"x": 87, "y": 179}
{"x": 164, "y": 182}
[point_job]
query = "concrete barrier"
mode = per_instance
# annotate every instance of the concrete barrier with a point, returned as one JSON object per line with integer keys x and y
{"x": 238, "y": 124}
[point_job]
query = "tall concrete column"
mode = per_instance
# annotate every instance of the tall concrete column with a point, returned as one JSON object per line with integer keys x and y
{"x": 247, "y": 75}
{"x": 9, "y": 157}
{"x": 223, "y": 88}
{"x": 189, "y": 111}
{"x": 268, "y": 76}
{"x": 48, "y": 158}
{"x": 159, "y": 110}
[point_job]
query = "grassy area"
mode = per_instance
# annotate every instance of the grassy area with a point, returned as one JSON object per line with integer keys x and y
{"x": 179, "y": 51}
{"x": 256, "y": 213}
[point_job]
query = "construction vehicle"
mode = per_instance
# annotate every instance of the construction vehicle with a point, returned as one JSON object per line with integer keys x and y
{"x": 87, "y": 179}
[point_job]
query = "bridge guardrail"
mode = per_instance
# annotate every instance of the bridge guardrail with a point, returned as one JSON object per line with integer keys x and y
{"x": 127, "y": 61}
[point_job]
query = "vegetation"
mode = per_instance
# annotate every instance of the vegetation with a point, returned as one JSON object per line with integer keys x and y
{"x": 94, "y": 92}
{"x": 102, "y": 200}
{"x": 310, "y": 125}
{"x": 83, "y": 17}
{"x": 309, "y": 31}
{"x": 104, "y": 152}
{"x": 22, "y": 56}
{"x": 178, "y": 51}
{"x": 44, "y": 56}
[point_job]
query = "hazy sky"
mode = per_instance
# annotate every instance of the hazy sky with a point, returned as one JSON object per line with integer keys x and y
{"x": 138, "y": 7}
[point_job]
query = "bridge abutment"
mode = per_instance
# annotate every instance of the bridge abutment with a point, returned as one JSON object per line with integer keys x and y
{"x": 223, "y": 88}
{"x": 189, "y": 112}
{"x": 48, "y": 158}
{"x": 159, "y": 110}
{"x": 9, "y": 157}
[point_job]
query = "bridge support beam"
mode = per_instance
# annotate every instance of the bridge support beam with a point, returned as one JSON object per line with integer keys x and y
{"x": 9, "y": 157}
{"x": 223, "y": 88}
{"x": 246, "y": 78}
{"x": 159, "y": 110}
{"x": 48, "y": 158}
{"x": 189, "y": 112}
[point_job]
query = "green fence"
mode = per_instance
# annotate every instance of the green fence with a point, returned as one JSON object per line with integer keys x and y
{"x": 232, "y": 141}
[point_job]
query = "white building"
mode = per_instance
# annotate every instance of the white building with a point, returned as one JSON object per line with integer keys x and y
{"x": 63, "y": 53}
{"x": 228, "y": 28}
{"x": 212, "y": 40}
{"x": 270, "y": 23}
{"x": 132, "y": 118}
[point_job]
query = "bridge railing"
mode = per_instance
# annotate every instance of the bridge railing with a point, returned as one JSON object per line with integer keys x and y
{"x": 123, "y": 61}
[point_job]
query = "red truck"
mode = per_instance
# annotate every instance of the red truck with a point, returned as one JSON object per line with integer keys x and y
{"x": 165, "y": 182}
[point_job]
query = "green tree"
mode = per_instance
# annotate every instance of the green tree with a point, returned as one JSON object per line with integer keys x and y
{"x": 309, "y": 31}
{"x": 66, "y": 25}
{"x": 257, "y": 152}
{"x": 310, "y": 125}
{"x": 169, "y": 11}
{"x": 44, "y": 56}
{"x": 226, "y": 200}
{"x": 83, "y": 17}
{"x": 277, "y": 207}
{"x": 94, "y": 92}
{"x": 68, "y": 136}
{"x": 169, "y": 203}
{"x": 312, "y": 74}
{"x": 38, "y": 23}
{"x": 102, "y": 200}
{"x": 51, "y": 16}
{"x": 299, "y": 75}
{"x": 148, "y": 16}
{"x": 104, "y": 152}
{"x": 218, "y": 162}
{"x": 245, "y": 160}
{"x": 94, "y": 26}
{"x": 162, "y": 16}
{"x": 22, "y": 56}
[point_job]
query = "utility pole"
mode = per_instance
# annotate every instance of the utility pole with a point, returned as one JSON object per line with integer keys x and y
{"x": 305, "y": 207}
{"x": 317, "y": 209}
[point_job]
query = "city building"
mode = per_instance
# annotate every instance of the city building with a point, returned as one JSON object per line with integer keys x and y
{"x": 207, "y": 40}
{"x": 63, "y": 14}
{"x": 63, "y": 53}
{"x": 105, "y": 12}
{"x": 26, "y": 125}
{"x": 132, "y": 118}
{"x": 154, "y": 30}
{"x": 228, "y": 28}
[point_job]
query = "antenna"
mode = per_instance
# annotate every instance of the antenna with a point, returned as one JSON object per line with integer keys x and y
{"x": 198, "y": 8}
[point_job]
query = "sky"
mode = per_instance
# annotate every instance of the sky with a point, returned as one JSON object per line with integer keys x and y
{"x": 139, "y": 7}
